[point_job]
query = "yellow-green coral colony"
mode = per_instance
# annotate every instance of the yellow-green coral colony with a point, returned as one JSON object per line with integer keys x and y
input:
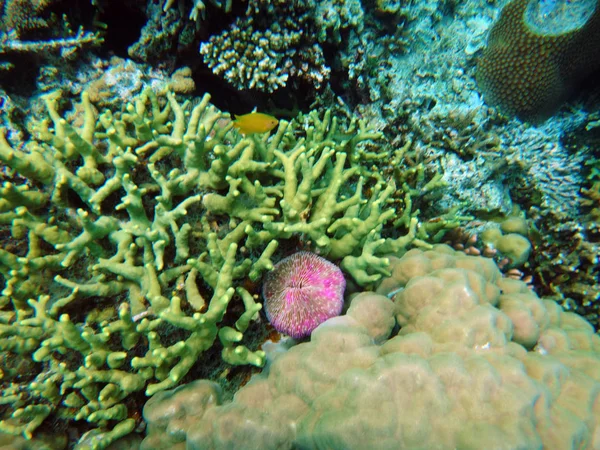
{"x": 121, "y": 268}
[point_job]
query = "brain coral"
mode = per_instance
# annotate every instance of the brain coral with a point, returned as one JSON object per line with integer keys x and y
{"x": 537, "y": 52}
{"x": 479, "y": 361}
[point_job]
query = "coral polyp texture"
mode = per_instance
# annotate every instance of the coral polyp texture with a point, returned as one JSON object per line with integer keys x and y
{"x": 301, "y": 292}
{"x": 134, "y": 239}
{"x": 536, "y": 52}
{"x": 480, "y": 361}
{"x": 268, "y": 47}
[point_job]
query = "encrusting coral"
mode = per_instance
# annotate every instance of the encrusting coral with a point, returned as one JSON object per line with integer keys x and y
{"x": 479, "y": 361}
{"x": 132, "y": 239}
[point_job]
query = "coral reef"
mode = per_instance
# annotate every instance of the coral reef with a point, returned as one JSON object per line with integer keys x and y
{"x": 418, "y": 87}
{"x": 513, "y": 245}
{"x": 475, "y": 364}
{"x": 136, "y": 226}
{"x": 26, "y": 17}
{"x": 133, "y": 239}
{"x": 112, "y": 82}
{"x": 566, "y": 263}
{"x": 506, "y": 241}
{"x": 166, "y": 30}
{"x": 591, "y": 191}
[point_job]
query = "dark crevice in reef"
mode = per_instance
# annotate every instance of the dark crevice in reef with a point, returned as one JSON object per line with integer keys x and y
{"x": 124, "y": 22}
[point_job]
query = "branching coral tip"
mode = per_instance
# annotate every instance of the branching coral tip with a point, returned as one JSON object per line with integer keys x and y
{"x": 301, "y": 292}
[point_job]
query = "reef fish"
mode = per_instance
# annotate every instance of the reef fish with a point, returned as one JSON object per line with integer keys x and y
{"x": 255, "y": 122}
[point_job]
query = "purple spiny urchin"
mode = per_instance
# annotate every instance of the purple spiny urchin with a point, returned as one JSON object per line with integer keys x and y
{"x": 301, "y": 292}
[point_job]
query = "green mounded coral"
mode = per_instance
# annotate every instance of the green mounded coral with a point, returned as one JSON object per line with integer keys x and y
{"x": 131, "y": 241}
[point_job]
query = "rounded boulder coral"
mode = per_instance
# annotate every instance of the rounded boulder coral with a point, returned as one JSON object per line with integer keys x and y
{"x": 536, "y": 53}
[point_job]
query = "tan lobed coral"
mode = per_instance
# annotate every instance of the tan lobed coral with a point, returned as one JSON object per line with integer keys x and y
{"x": 479, "y": 361}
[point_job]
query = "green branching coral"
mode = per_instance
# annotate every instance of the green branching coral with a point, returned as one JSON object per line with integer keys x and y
{"x": 128, "y": 250}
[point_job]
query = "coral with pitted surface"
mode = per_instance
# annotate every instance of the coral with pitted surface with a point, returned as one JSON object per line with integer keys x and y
{"x": 536, "y": 53}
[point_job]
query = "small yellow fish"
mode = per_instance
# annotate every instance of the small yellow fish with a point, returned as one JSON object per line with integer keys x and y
{"x": 255, "y": 122}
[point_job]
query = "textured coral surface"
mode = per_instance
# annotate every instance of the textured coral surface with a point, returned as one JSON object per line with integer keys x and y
{"x": 530, "y": 74}
{"x": 479, "y": 361}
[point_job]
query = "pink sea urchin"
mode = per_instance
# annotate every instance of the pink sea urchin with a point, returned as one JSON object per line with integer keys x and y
{"x": 301, "y": 292}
